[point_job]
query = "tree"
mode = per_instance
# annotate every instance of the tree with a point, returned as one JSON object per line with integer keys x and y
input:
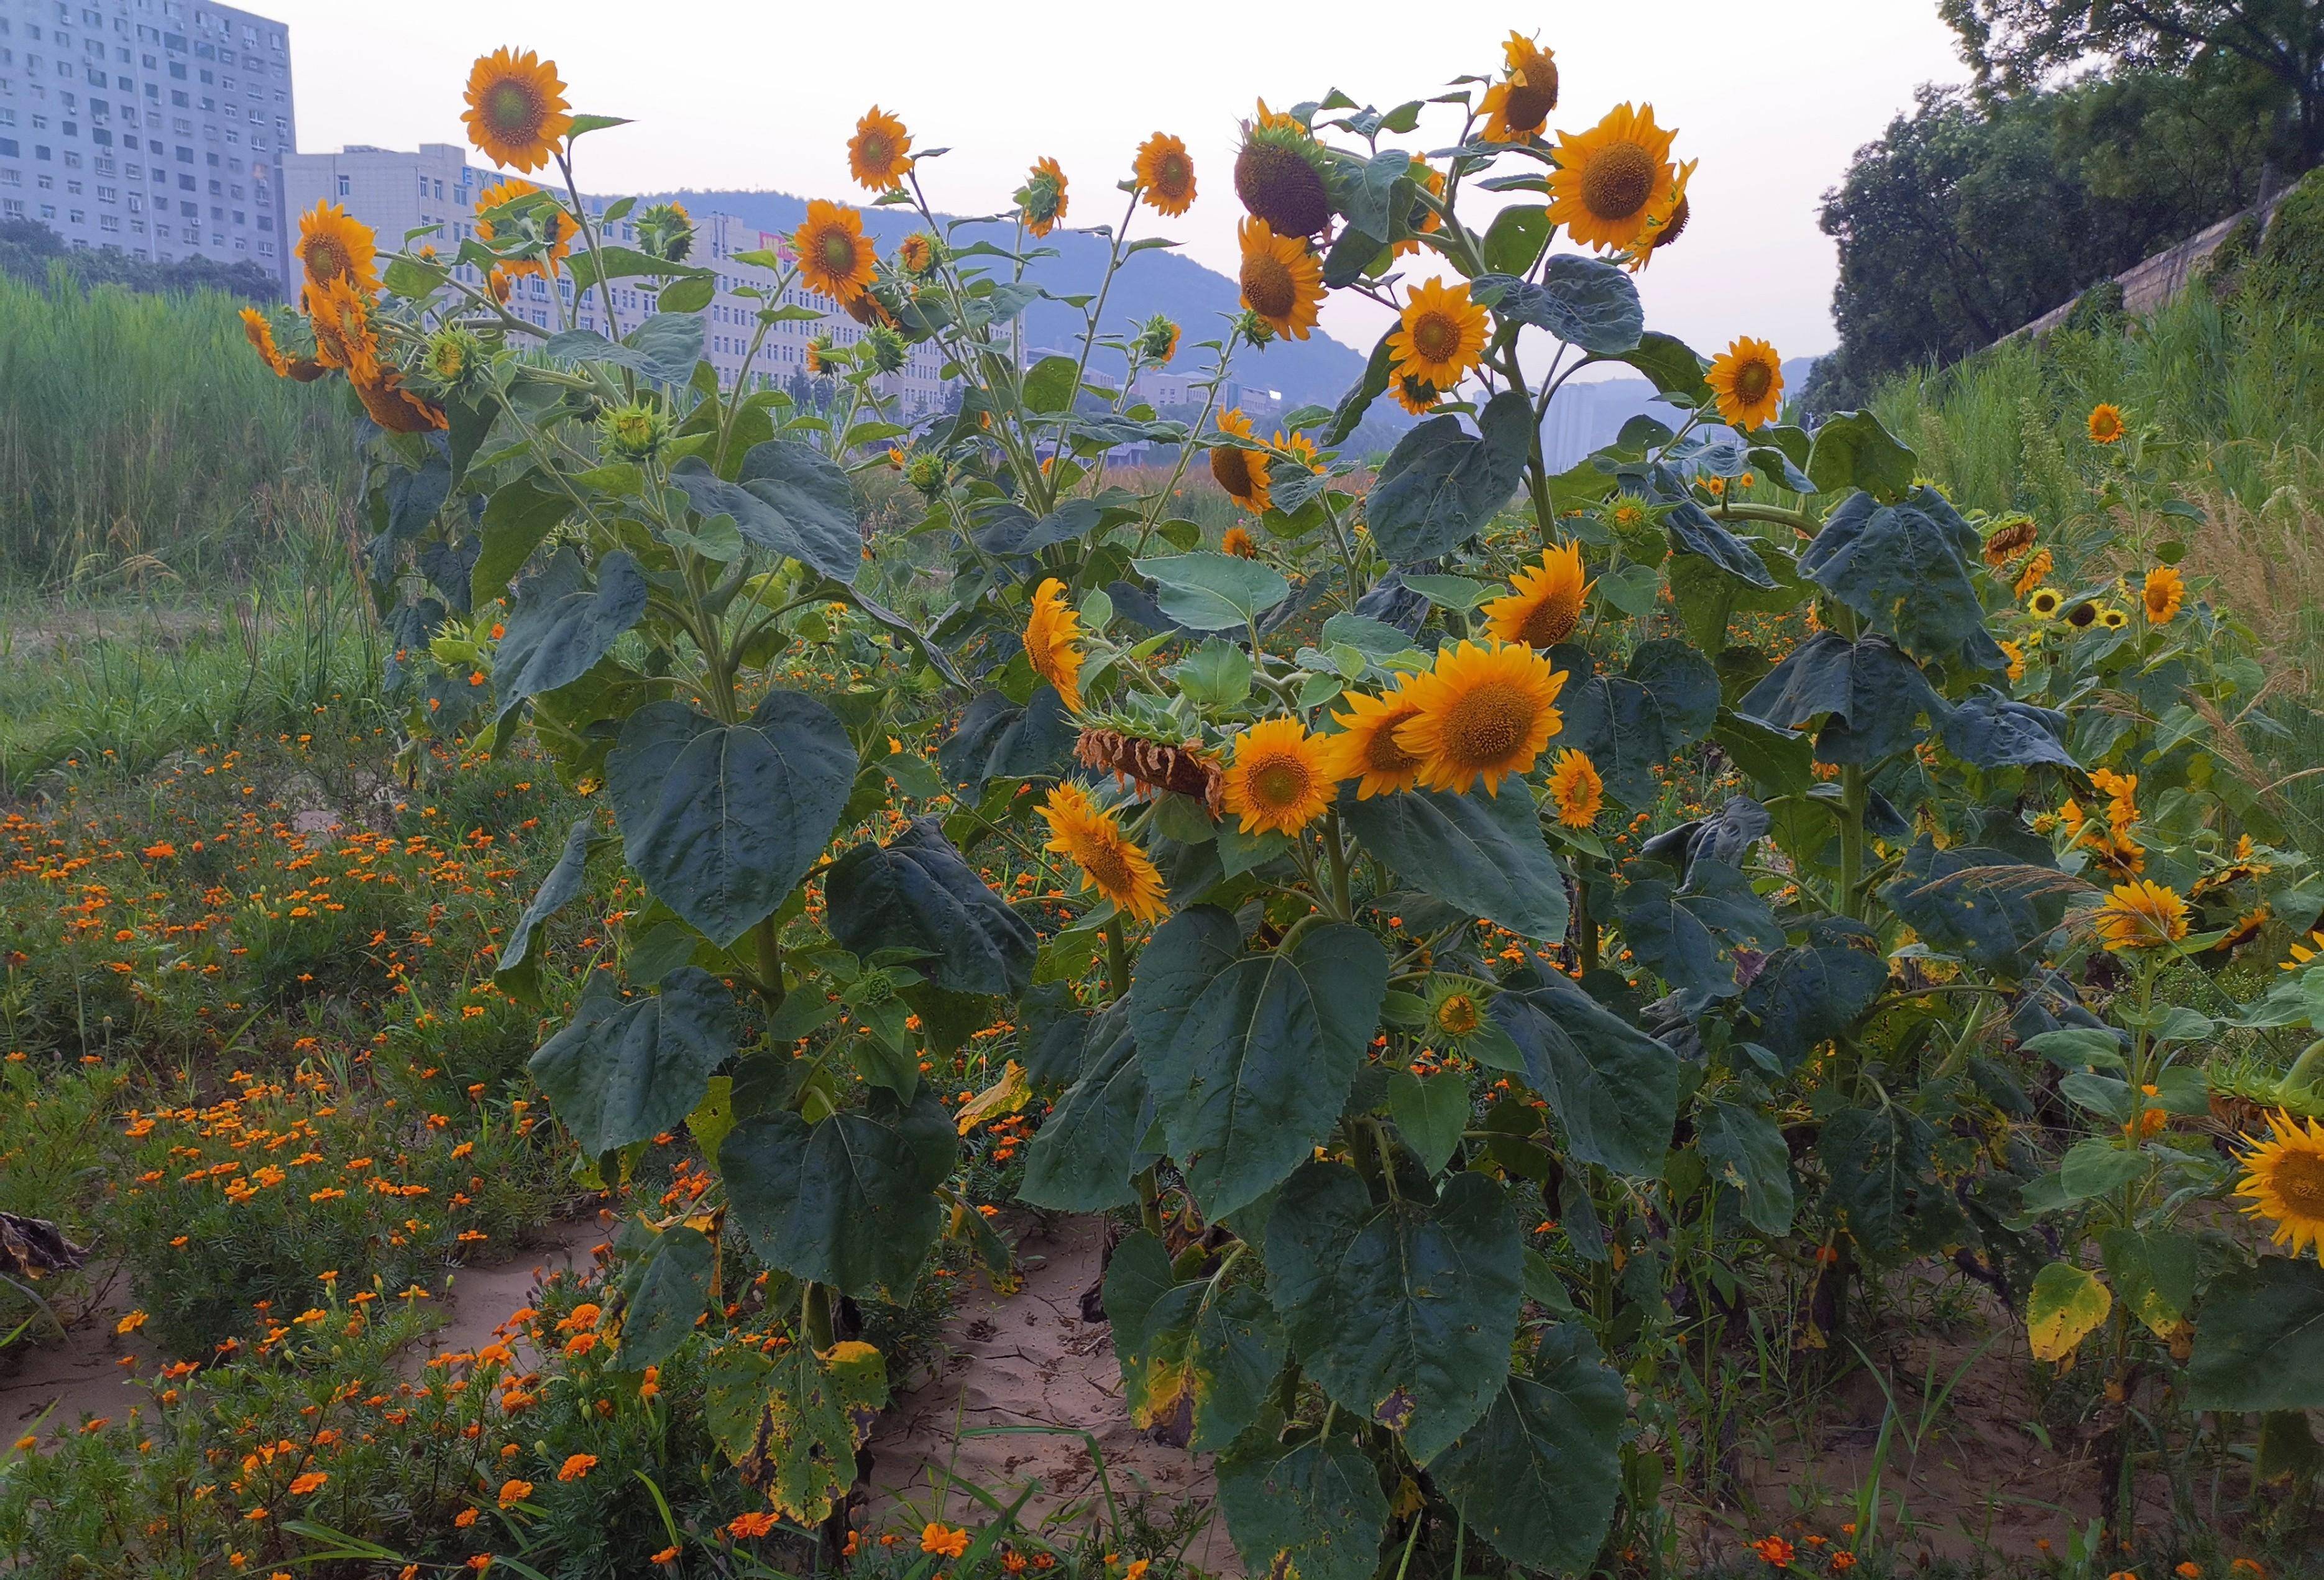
{"x": 2016, "y": 44}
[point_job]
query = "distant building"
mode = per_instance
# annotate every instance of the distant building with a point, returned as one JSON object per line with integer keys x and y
{"x": 436, "y": 189}
{"x": 151, "y": 127}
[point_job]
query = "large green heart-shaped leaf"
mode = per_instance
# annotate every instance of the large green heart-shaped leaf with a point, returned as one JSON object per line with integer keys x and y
{"x": 1441, "y": 485}
{"x": 997, "y": 739}
{"x": 1581, "y": 301}
{"x": 720, "y": 821}
{"x": 1631, "y": 724}
{"x": 1312, "y": 1509}
{"x": 1690, "y": 935}
{"x": 1403, "y": 1310}
{"x": 1613, "y": 1087}
{"x": 664, "y": 348}
{"x": 848, "y": 1201}
{"x": 562, "y": 625}
{"x": 1881, "y": 1186}
{"x": 915, "y": 892}
{"x": 1220, "y": 1342}
{"x": 1086, "y": 1154}
{"x": 665, "y": 1295}
{"x": 1694, "y": 531}
{"x": 1905, "y": 567}
{"x": 1806, "y": 996}
{"x": 2260, "y": 1342}
{"x": 1852, "y": 450}
{"x": 517, "y": 519}
{"x": 1870, "y": 695}
{"x": 1483, "y": 854}
{"x": 1537, "y": 1476}
{"x": 1249, "y": 1057}
{"x": 516, "y": 968}
{"x": 1671, "y": 364}
{"x": 1746, "y": 1150}
{"x": 1985, "y": 905}
{"x": 810, "y": 494}
{"x": 624, "y": 1070}
{"x": 793, "y": 1421}
{"x": 1210, "y": 591}
{"x": 1995, "y": 730}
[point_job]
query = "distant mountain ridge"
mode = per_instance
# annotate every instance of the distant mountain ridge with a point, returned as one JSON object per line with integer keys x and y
{"x": 1317, "y": 370}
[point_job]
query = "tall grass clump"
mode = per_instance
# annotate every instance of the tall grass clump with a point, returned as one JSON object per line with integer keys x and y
{"x": 139, "y": 437}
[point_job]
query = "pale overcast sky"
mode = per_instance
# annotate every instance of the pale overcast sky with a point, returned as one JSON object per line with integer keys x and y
{"x": 1772, "y": 99}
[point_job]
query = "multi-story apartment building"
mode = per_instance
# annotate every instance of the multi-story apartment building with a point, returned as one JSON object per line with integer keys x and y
{"x": 396, "y": 193}
{"x": 154, "y": 128}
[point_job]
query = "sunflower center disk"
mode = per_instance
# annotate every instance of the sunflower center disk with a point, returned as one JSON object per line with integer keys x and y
{"x": 1752, "y": 382}
{"x": 1268, "y": 285}
{"x": 2300, "y": 1181}
{"x": 1488, "y": 724}
{"x": 1436, "y": 337}
{"x": 515, "y": 111}
{"x": 1552, "y": 620}
{"x": 1528, "y": 107}
{"x": 1618, "y": 181}
{"x": 1458, "y": 1017}
{"x": 1106, "y": 866}
{"x": 838, "y": 253}
{"x": 1280, "y": 784}
{"x": 1381, "y": 753}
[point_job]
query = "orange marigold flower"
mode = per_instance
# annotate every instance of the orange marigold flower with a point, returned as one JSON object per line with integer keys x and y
{"x": 943, "y": 1539}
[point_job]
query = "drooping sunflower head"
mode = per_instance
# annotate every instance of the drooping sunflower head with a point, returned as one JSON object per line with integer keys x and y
{"x": 1165, "y": 175}
{"x": 1611, "y": 178}
{"x": 341, "y": 315}
{"x": 1241, "y": 473}
{"x": 1042, "y": 199}
{"x": 1158, "y": 338}
{"x": 1282, "y": 279}
{"x": 1667, "y": 220}
{"x": 1280, "y": 175}
{"x": 2284, "y": 1181}
{"x": 516, "y": 110}
{"x": 2163, "y": 595}
{"x": 880, "y": 153}
{"x": 1576, "y": 790}
{"x": 1546, "y": 603}
{"x": 1053, "y": 634}
{"x": 1482, "y": 713}
{"x": 666, "y": 231}
{"x": 2144, "y": 915}
{"x": 821, "y": 353}
{"x": 1239, "y": 542}
{"x": 836, "y": 257}
{"x": 2044, "y": 602}
{"x": 917, "y": 253}
{"x": 1441, "y": 334}
{"x": 260, "y": 333}
{"x": 1747, "y": 378}
{"x": 333, "y": 245}
{"x": 2010, "y": 537}
{"x": 1277, "y": 779}
{"x": 2107, "y": 425}
{"x": 1366, "y": 749}
{"x": 392, "y": 406}
{"x": 539, "y": 223}
{"x": 1417, "y": 396}
{"x": 1518, "y": 106}
{"x": 1111, "y": 863}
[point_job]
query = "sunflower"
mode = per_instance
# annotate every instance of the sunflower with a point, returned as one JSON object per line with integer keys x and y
{"x": 1423, "y": 221}
{"x": 2302, "y": 954}
{"x": 880, "y": 154}
{"x": 1417, "y": 396}
{"x": 1282, "y": 279}
{"x": 1747, "y": 377}
{"x": 1575, "y": 789}
{"x": 917, "y": 253}
{"x": 2015, "y": 653}
{"x": 1611, "y": 179}
{"x": 834, "y": 255}
{"x": 1240, "y": 543}
{"x": 1278, "y": 778}
{"x": 1546, "y": 605}
{"x": 1158, "y": 338}
{"x": 1441, "y": 335}
{"x": 395, "y": 408}
{"x": 509, "y": 191}
{"x": 2045, "y": 603}
{"x": 821, "y": 353}
{"x": 1053, "y": 634}
{"x": 2113, "y": 619}
{"x": 334, "y": 245}
{"x": 261, "y": 336}
{"x": 1667, "y": 222}
{"x": 2163, "y": 593}
{"x": 1482, "y": 713}
{"x": 1110, "y": 862}
{"x": 1241, "y": 473}
{"x": 2034, "y": 572}
{"x": 1042, "y": 199}
{"x": 1516, "y": 108}
{"x": 2244, "y": 929}
{"x": 2144, "y": 915}
{"x": 666, "y": 231}
{"x": 2011, "y": 536}
{"x": 1366, "y": 750}
{"x": 2082, "y": 615}
{"x": 2286, "y": 1181}
{"x": 341, "y": 316}
{"x": 1456, "y": 1010}
{"x": 2106, "y": 426}
{"x": 516, "y": 108}
{"x": 1280, "y": 175}
{"x": 1165, "y": 175}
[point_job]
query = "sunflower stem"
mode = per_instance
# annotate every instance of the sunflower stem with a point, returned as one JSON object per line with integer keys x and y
{"x": 1335, "y": 848}
{"x": 1117, "y": 958}
{"x": 1852, "y": 801}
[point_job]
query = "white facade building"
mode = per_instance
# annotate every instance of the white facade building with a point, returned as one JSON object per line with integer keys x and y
{"x": 152, "y": 128}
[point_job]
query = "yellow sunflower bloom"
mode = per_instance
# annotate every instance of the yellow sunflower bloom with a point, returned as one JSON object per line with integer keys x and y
{"x": 2144, "y": 915}
{"x": 2038, "y": 564}
{"x": 1575, "y": 789}
{"x": 1110, "y": 862}
{"x": 2285, "y": 1182}
{"x": 1667, "y": 220}
{"x": 2163, "y": 595}
{"x": 1546, "y": 605}
{"x": 1279, "y": 175}
{"x": 393, "y": 407}
{"x": 1278, "y": 780}
{"x": 1241, "y": 473}
{"x": 1516, "y": 108}
{"x": 1482, "y": 713}
{"x": 1282, "y": 279}
{"x": 508, "y": 190}
{"x": 1747, "y": 377}
{"x": 917, "y": 253}
{"x": 333, "y": 245}
{"x": 341, "y": 315}
{"x": 1423, "y": 221}
{"x": 1165, "y": 175}
{"x": 516, "y": 112}
{"x": 2044, "y": 602}
{"x": 260, "y": 333}
{"x": 2106, "y": 426}
{"x": 1240, "y": 543}
{"x": 834, "y": 255}
{"x": 1053, "y": 634}
{"x": 1366, "y": 750}
{"x": 1417, "y": 396}
{"x": 1611, "y": 179}
{"x": 1042, "y": 199}
{"x": 1441, "y": 335}
{"x": 880, "y": 154}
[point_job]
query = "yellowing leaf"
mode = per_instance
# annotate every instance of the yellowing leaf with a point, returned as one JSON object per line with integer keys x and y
{"x": 1005, "y": 1096}
{"x": 2066, "y": 1307}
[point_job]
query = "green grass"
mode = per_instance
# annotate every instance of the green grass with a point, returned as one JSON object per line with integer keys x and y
{"x": 141, "y": 442}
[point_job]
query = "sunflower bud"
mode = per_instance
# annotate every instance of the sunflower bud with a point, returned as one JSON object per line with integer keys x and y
{"x": 666, "y": 231}
{"x": 926, "y": 473}
{"x": 822, "y": 353}
{"x": 885, "y": 348}
{"x": 917, "y": 253}
{"x": 454, "y": 355}
{"x": 1253, "y": 328}
{"x": 1158, "y": 338}
{"x": 633, "y": 432}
